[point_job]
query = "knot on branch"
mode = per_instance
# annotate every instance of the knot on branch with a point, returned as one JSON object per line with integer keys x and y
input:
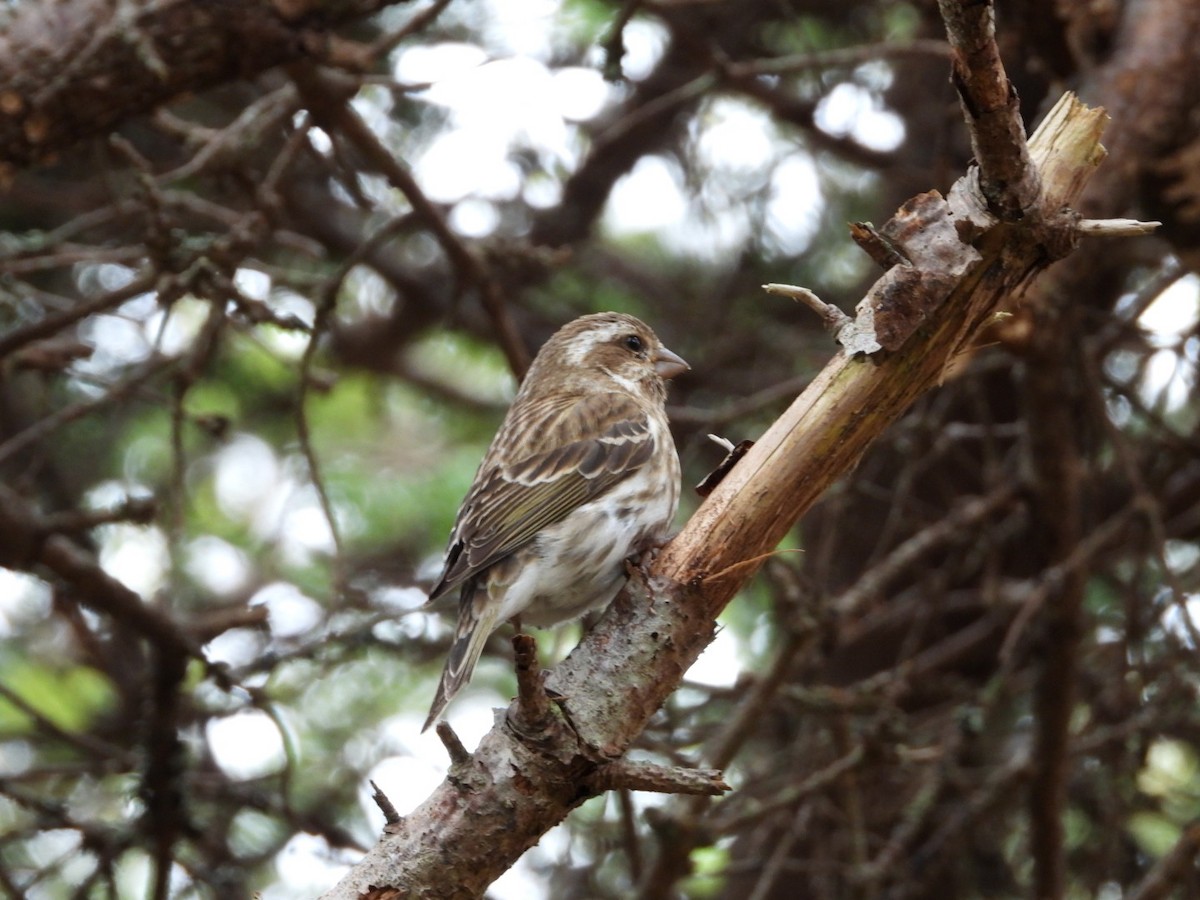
{"x": 1058, "y": 232}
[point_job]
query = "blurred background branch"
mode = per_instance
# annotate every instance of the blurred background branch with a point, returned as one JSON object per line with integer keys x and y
{"x": 174, "y": 211}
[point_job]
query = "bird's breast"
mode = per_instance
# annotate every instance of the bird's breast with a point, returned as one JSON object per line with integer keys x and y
{"x": 578, "y": 564}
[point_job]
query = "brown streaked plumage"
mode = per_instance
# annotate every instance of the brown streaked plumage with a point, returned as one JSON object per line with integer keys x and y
{"x": 581, "y": 475}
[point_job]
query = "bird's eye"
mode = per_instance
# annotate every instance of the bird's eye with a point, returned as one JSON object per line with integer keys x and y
{"x": 634, "y": 343}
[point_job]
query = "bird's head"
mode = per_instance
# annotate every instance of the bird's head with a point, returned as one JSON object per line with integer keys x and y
{"x": 610, "y": 347}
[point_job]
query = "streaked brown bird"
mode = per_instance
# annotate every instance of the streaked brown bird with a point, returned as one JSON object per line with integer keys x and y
{"x": 582, "y": 475}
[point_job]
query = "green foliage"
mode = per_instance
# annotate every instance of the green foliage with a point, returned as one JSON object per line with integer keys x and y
{"x": 71, "y": 698}
{"x": 708, "y": 868}
{"x": 1154, "y": 833}
{"x": 586, "y": 21}
{"x": 900, "y": 22}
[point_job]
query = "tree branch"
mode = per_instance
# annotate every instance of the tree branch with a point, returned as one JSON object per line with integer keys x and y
{"x": 329, "y": 103}
{"x": 990, "y": 106}
{"x": 1055, "y": 467}
{"x": 478, "y": 822}
{"x": 29, "y": 542}
{"x": 73, "y": 69}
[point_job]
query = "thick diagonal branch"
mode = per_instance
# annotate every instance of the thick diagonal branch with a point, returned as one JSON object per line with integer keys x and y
{"x": 477, "y": 823}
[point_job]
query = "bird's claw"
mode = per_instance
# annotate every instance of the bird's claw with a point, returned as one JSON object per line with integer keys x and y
{"x": 639, "y": 563}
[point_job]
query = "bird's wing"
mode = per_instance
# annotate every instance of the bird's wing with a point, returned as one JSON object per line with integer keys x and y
{"x": 582, "y": 450}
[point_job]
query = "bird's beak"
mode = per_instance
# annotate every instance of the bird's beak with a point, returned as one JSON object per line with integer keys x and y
{"x": 668, "y": 364}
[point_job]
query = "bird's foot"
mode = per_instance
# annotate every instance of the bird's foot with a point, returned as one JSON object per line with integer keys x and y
{"x": 640, "y": 562}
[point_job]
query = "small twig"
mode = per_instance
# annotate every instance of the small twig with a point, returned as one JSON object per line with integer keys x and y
{"x": 755, "y": 811}
{"x": 644, "y": 776}
{"x": 842, "y": 57}
{"x": 629, "y": 834}
{"x": 914, "y": 822}
{"x": 832, "y": 317}
{"x": 662, "y": 105}
{"x": 1053, "y": 389}
{"x": 1115, "y": 227}
{"x": 458, "y": 753}
{"x": 1118, "y": 326}
{"x": 53, "y": 324}
{"x": 1033, "y": 593}
{"x": 225, "y": 145}
{"x": 881, "y": 249}
{"x": 783, "y": 102}
{"x": 28, "y": 543}
{"x": 671, "y": 862}
{"x": 51, "y": 355}
{"x": 740, "y": 726}
{"x": 960, "y": 522}
{"x": 268, "y": 190}
{"x": 1144, "y": 500}
{"x": 533, "y": 706}
{"x": 193, "y": 365}
{"x": 166, "y": 814}
{"x": 44, "y": 427}
{"x": 389, "y": 42}
{"x": 746, "y": 563}
{"x": 95, "y": 747}
{"x": 325, "y": 307}
{"x": 99, "y": 591}
{"x": 390, "y": 816}
{"x": 304, "y": 432}
{"x": 996, "y": 790}
{"x": 215, "y": 622}
{"x": 777, "y": 861}
{"x": 848, "y": 789}
{"x": 138, "y": 510}
{"x": 328, "y": 101}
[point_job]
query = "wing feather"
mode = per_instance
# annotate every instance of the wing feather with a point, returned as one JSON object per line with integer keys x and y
{"x": 581, "y": 450}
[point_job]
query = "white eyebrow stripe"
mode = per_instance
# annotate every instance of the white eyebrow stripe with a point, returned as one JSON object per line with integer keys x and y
{"x": 598, "y": 335}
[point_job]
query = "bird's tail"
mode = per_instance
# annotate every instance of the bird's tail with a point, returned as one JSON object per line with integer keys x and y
{"x": 476, "y": 621}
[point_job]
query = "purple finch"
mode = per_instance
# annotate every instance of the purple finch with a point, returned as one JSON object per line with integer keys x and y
{"x": 581, "y": 475}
